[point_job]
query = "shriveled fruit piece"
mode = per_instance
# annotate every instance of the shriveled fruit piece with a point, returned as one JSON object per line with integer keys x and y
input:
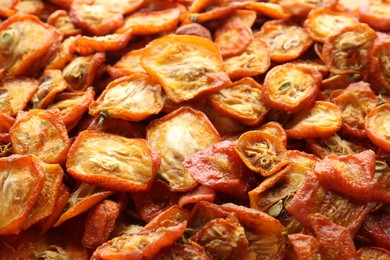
{"x": 185, "y": 65}
{"x": 355, "y": 102}
{"x": 348, "y": 50}
{"x": 6, "y": 122}
{"x": 195, "y": 29}
{"x": 176, "y": 137}
{"x": 201, "y": 193}
{"x": 312, "y": 198}
{"x": 233, "y": 38}
{"x": 375, "y": 13}
{"x": 323, "y": 22}
{"x": 291, "y": 87}
{"x": 146, "y": 22}
{"x": 275, "y": 129}
{"x": 275, "y": 192}
{"x": 247, "y": 17}
{"x": 61, "y": 20}
{"x": 15, "y": 93}
{"x": 303, "y": 7}
{"x": 95, "y": 16}
{"x": 133, "y": 98}
{"x": 241, "y": 100}
{"x": 269, "y": 9}
{"x": 286, "y": 40}
{"x": 73, "y": 105}
{"x": 377, "y": 124}
{"x": 45, "y": 204}
{"x": 351, "y": 175}
{"x": 81, "y": 71}
{"x": 379, "y": 71}
{"x": 322, "y": 120}
{"x": 305, "y": 246}
{"x": 223, "y": 238}
{"x": 220, "y": 168}
{"x": 100, "y": 223}
{"x": 52, "y": 83}
{"x": 22, "y": 180}
{"x": 144, "y": 244}
{"x": 84, "y": 197}
{"x": 127, "y": 65}
{"x": 26, "y": 44}
{"x": 264, "y": 233}
{"x": 183, "y": 251}
{"x": 41, "y": 133}
{"x": 262, "y": 152}
{"x": 255, "y": 60}
{"x": 64, "y": 54}
{"x": 112, "y": 162}
{"x": 111, "y": 42}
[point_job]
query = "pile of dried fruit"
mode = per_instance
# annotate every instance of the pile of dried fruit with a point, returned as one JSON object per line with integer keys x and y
{"x": 194, "y": 129}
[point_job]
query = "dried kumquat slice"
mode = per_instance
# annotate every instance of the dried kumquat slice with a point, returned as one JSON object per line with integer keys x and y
{"x": 64, "y": 54}
{"x": 84, "y": 197}
{"x": 185, "y": 65}
{"x": 272, "y": 10}
{"x": 22, "y": 180}
{"x": 379, "y": 72}
{"x": 51, "y": 84}
{"x": 73, "y": 105}
{"x": 377, "y": 126}
{"x": 146, "y": 22}
{"x": 128, "y": 64}
{"x": 15, "y": 93}
{"x": 286, "y": 40}
{"x": 255, "y": 60}
{"x": 111, "y": 42}
{"x": 323, "y": 22}
{"x": 375, "y": 13}
{"x": 322, "y": 120}
{"x": 195, "y": 132}
{"x": 348, "y": 50}
{"x": 134, "y": 98}
{"x": 303, "y": 7}
{"x": 95, "y": 16}
{"x": 112, "y": 162}
{"x": 26, "y": 44}
{"x": 355, "y": 102}
{"x": 61, "y": 20}
{"x": 233, "y": 38}
{"x": 220, "y": 168}
{"x": 247, "y": 17}
{"x": 241, "y": 100}
{"x": 275, "y": 129}
{"x": 195, "y": 29}
{"x": 41, "y": 133}
{"x": 290, "y": 87}
{"x": 81, "y": 71}
{"x": 262, "y": 152}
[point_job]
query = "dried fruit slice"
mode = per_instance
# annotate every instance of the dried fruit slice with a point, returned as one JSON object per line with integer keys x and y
{"x": 82, "y": 199}
{"x": 262, "y": 152}
{"x": 233, "y": 38}
{"x": 241, "y": 100}
{"x": 379, "y": 72}
{"x": 128, "y": 64}
{"x": 26, "y": 44}
{"x": 286, "y": 40}
{"x": 324, "y": 22}
{"x": 377, "y": 126}
{"x": 41, "y": 133}
{"x": 22, "y": 180}
{"x": 61, "y": 20}
{"x": 375, "y": 13}
{"x": 291, "y": 87}
{"x": 348, "y": 50}
{"x": 322, "y": 120}
{"x": 303, "y": 7}
{"x": 255, "y": 60}
{"x": 112, "y": 162}
{"x": 81, "y": 71}
{"x": 195, "y": 29}
{"x": 195, "y": 133}
{"x": 52, "y": 83}
{"x": 95, "y": 16}
{"x": 355, "y": 102}
{"x": 15, "y": 93}
{"x": 134, "y": 98}
{"x": 220, "y": 168}
{"x": 185, "y": 65}
{"x": 367, "y": 253}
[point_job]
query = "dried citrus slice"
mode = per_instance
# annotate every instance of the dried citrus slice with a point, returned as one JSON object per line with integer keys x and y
{"x": 128, "y": 64}
{"x": 377, "y": 126}
{"x": 112, "y": 162}
{"x": 185, "y": 65}
{"x": 133, "y": 98}
{"x": 375, "y": 13}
